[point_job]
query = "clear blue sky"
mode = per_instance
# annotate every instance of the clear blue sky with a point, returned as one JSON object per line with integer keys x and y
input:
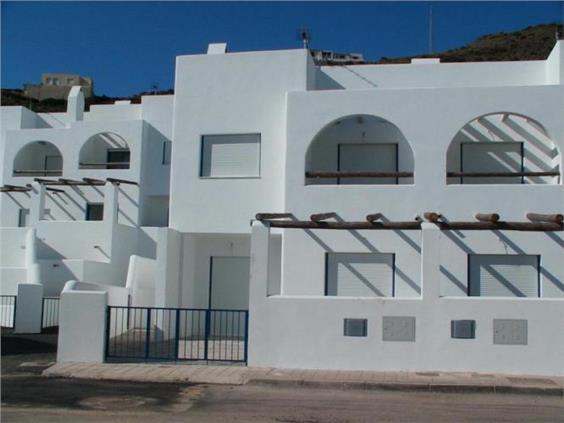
{"x": 126, "y": 46}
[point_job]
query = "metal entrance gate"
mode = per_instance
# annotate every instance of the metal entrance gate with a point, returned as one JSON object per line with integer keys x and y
{"x": 7, "y": 310}
{"x": 152, "y": 333}
{"x": 50, "y": 313}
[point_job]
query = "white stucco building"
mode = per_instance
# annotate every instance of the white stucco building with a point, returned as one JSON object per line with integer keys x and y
{"x": 421, "y": 149}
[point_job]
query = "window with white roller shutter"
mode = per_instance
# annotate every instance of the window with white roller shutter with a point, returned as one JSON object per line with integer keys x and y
{"x": 504, "y": 156}
{"x": 230, "y": 156}
{"x": 493, "y": 275}
{"x": 368, "y": 157}
{"x": 360, "y": 274}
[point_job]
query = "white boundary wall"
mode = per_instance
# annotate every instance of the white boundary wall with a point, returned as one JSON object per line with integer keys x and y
{"x": 307, "y": 331}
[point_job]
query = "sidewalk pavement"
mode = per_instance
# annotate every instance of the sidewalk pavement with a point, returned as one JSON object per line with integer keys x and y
{"x": 322, "y": 379}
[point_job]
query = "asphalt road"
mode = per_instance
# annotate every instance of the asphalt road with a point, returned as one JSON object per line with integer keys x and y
{"x": 28, "y": 397}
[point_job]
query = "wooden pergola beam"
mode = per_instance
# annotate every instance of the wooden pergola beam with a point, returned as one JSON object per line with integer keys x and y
{"x": 466, "y": 226}
{"x": 553, "y": 218}
{"x": 432, "y": 216}
{"x": 70, "y": 181}
{"x": 268, "y": 216}
{"x": 55, "y": 190}
{"x": 502, "y": 226}
{"x": 487, "y": 217}
{"x": 121, "y": 181}
{"x": 92, "y": 180}
{"x": 67, "y": 182}
{"x": 304, "y": 224}
{"x": 14, "y": 188}
{"x": 373, "y": 217}
{"x": 318, "y": 217}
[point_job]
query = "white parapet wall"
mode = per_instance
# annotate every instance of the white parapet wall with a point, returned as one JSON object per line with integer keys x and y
{"x": 29, "y": 308}
{"x": 299, "y": 332}
{"x": 82, "y": 324}
{"x": 510, "y": 335}
{"x": 141, "y": 281}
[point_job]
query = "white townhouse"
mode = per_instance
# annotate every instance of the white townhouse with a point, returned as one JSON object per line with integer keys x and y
{"x": 383, "y": 217}
{"x": 81, "y": 193}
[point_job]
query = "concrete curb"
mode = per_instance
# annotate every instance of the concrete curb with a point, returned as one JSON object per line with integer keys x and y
{"x": 287, "y": 378}
{"x": 409, "y": 386}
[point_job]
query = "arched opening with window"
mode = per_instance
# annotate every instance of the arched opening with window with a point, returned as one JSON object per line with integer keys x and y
{"x": 503, "y": 148}
{"x": 359, "y": 150}
{"x": 105, "y": 150}
{"x": 38, "y": 158}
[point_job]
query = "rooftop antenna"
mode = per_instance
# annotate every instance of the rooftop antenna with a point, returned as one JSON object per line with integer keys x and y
{"x": 305, "y": 37}
{"x": 154, "y": 87}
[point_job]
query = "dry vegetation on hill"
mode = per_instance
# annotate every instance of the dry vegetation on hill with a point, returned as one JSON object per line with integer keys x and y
{"x": 531, "y": 43}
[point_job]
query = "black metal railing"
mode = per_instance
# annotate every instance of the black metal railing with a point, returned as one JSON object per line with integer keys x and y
{"x": 50, "y": 312}
{"x": 104, "y": 165}
{"x": 38, "y": 172}
{"x": 151, "y": 333}
{"x": 8, "y": 310}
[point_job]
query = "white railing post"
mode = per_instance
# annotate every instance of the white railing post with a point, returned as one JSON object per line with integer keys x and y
{"x": 110, "y": 205}
{"x": 29, "y": 308}
{"x": 258, "y": 289}
{"x": 82, "y": 325}
{"x": 37, "y": 209}
{"x": 430, "y": 261}
{"x": 32, "y": 266}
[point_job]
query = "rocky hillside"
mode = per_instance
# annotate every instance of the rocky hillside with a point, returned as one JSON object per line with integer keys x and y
{"x": 531, "y": 43}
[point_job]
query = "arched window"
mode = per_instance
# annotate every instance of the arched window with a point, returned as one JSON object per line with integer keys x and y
{"x": 105, "y": 150}
{"x": 38, "y": 158}
{"x": 359, "y": 150}
{"x": 502, "y": 148}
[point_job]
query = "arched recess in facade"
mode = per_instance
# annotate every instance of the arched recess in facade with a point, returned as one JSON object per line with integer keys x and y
{"x": 360, "y": 143}
{"x": 501, "y": 143}
{"x": 105, "y": 150}
{"x": 38, "y": 158}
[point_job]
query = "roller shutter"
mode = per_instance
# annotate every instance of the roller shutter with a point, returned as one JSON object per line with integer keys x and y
{"x": 504, "y": 275}
{"x": 360, "y": 274}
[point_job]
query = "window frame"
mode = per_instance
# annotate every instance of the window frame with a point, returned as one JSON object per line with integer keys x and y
{"x": 363, "y": 144}
{"x": 110, "y": 166}
{"x": 23, "y": 217}
{"x": 522, "y": 151}
{"x": 88, "y": 211}
{"x": 326, "y": 281}
{"x": 166, "y": 160}
{"x": 468, "y": 278}
{"x": 201, "y": 166}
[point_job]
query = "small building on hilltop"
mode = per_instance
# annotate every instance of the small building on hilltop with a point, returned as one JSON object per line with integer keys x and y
{"x": 58, "y": 86}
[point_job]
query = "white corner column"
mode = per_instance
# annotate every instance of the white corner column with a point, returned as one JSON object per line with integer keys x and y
{"x": 169, "y": 262}
{"x": 75, "y": 104}
{"x": 111, "y": 192}
{"x": 82, "y": 325}
{"x": 29, "y": 306}
{"x": 37, "y": 208}
{"x": 32, "y": 266}
{"x": 260, "y": 253}
{"x": 258, "y": 289}
{"x": 430, "y": 262}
